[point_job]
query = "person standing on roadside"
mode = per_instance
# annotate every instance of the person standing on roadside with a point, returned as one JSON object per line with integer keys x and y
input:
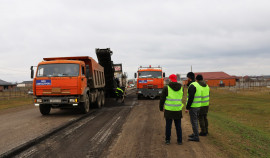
{"x": 171, "y": 104}
{"x": 193, "y": 105}
{"x": 204, "y": 105}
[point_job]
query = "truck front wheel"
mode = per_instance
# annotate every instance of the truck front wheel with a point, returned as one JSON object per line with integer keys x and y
{"x": 85, "y": 105}
{"x": 139, "y": 96}
{"x": 44, "y": 109}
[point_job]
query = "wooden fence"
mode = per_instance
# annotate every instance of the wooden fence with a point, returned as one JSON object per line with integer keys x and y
{"x": 15, "y": 93}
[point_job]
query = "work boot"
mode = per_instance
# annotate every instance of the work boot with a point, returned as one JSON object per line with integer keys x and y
{"x": 202, "y": 134}
{"x": 167, "y": 142}
{"x": 179, "y": 143}
{"x": 194, "y": 139}
{"x": 191, "y": 135}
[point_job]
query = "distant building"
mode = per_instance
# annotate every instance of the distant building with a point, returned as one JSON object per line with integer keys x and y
{"x": 253, "y": 81}
{"x": 25, "y": 84}
{"x": 217, "y": 79}
{"x": 267, "y": 77}
{"x": 6, "y": 85}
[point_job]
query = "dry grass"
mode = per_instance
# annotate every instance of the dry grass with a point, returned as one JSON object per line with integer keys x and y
{"x": 15, "y": 102}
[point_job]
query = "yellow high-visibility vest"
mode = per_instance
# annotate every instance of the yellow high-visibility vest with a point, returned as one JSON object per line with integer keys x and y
{"x": 174, "y": 100}
{"x": 198, "y": 95}
{"x": 205, "y": 96}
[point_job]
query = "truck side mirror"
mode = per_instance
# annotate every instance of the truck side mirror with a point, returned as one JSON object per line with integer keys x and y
{"x": 135, "y": 75}
{"x": 87, "y": 71}
{"x": 163, "y": 74}
{"x": 32, "y": 72}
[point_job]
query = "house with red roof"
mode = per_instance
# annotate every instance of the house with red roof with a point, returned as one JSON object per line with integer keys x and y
{"x": 217, "y": 79}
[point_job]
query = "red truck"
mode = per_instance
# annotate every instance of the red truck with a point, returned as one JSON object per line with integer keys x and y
{"x": 150, "y": 81}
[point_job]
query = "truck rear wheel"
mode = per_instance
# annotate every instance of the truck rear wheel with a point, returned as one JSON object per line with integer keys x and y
{"x": 44, "y": 109}
{"x": 98, "y": 100}
{"x": 152, "y": 97}
{"x": 85, "y": 105}
{"x": 102, "y": 98}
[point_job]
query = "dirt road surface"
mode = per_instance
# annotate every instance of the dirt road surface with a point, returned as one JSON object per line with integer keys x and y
{"x": 143, "y": 135}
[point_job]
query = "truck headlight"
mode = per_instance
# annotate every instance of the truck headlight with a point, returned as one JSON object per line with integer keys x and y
{"x": 139, "y": 91}
{"x": 73, "y": 100}
{"x": 39, "y": 100}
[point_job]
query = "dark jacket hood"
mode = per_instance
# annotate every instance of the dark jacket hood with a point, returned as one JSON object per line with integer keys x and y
{"x": 202, "y": 83}
{"x": 175, "y": 86}
{"x": 190, "y": 82}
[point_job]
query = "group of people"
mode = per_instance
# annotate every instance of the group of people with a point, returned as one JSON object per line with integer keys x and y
{"x": 197, "y": 104}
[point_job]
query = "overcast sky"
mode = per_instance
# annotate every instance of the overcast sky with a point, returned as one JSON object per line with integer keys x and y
{"x": 226, "y": 35}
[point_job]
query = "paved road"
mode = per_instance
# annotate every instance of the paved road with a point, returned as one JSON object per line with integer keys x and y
{"x": 20, "y": 125}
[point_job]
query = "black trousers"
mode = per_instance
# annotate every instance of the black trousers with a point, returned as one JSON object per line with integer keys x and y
{"x": 177, "y": 123}
{"x": 203, "y": 119}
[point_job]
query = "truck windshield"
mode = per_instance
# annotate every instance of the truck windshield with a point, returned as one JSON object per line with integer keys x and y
{"x": 150, "y": 74}
{"x": 58, "y": 70}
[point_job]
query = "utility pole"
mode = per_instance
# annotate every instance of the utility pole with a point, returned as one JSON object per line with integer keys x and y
{"x": 191, "y": 68}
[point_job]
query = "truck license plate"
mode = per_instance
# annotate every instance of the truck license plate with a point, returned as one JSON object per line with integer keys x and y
{"x": 55, "y": 100}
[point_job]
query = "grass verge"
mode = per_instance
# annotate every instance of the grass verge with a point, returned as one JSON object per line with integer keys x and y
{"x": 239, "y": 123}
{"x": 15, "y": 102}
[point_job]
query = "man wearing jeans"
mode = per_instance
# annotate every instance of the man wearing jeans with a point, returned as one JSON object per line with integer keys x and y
{"x": 193, "y": 105}
{"x": 171, "y": 104}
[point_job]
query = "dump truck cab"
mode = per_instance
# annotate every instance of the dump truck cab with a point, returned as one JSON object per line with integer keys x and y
{"x": 150, "y": 81}
{"x": 60, "y": 77}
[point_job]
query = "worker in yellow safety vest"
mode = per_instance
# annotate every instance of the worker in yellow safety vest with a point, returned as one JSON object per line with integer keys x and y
{"x": 193, "y": 105}
{"x": 205, "y": 91}
{"x": 119, "y": 93}
{"x": 171, "y": 104}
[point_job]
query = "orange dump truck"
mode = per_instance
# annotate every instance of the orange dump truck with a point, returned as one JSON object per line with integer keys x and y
{"x": 68, "y": 82}
{"x": 150, "y": 81}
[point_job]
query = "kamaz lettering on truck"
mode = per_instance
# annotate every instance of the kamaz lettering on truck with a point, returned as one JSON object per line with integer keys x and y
{"x": 150, "y": 81}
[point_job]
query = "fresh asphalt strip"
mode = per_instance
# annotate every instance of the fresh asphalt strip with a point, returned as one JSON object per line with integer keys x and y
{"x": 17, "y": 150}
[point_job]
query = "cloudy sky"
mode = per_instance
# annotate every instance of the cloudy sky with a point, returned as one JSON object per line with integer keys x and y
{"x": 226, "y": 35}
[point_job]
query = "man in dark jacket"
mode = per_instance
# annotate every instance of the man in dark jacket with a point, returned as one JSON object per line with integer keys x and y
{"x": 171, "y": 104}
{"x": 204, "y": 106}
{"x": 193, "y": 105}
